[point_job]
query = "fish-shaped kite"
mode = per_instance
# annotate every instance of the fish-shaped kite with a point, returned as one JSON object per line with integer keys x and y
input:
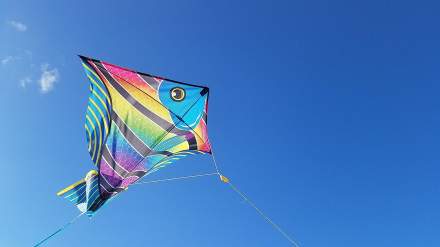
{"x": 136, "y": 123}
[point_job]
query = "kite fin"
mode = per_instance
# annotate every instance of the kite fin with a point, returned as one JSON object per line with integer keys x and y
{"x": 224, "y": 179}
{"x": 71, "y": 187}
{"x": 84, "y": 192}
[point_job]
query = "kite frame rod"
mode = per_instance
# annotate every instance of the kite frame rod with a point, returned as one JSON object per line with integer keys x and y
{"x": 143, "y": 73}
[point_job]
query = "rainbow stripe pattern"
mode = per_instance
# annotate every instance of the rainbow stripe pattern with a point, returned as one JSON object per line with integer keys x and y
{"x": 135, "y": 124}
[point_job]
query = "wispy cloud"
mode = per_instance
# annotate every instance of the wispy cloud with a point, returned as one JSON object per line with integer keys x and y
{"x": 19, "y": 26}
{"x": 48, "y": 78}
{"x": 25, "y": 82}
{"x": 7, "y": 60}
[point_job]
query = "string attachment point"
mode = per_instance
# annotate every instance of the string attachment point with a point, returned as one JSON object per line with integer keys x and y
{"x": 224, "y": 179}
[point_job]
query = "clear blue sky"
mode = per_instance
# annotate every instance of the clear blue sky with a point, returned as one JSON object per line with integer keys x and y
{"x": 326, "y": 113}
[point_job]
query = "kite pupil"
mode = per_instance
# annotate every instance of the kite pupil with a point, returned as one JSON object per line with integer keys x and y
{"x": 177, "y": 94}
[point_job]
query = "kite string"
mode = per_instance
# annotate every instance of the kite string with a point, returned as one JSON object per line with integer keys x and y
{"x": 176, "y": 178}
{"x": 269, "y": 220}
{"x": 59, "y": 230}
{"x": 213, "y": 159}
{"x": 246, "y": 199}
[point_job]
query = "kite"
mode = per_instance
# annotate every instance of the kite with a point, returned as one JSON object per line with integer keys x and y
{"x": 135, "y": 124}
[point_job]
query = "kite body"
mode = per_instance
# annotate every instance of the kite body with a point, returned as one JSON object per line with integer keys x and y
{"x": 135, "y": 124}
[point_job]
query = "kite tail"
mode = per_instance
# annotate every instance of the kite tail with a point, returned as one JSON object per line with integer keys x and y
{"x": 83, "y": 193}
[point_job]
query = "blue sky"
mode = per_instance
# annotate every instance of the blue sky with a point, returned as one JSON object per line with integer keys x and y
{"x": 325, "y": 113}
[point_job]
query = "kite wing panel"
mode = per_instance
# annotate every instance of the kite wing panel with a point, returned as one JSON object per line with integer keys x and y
{"x": 97, "y": 123}
{"x": 85, "y": 193}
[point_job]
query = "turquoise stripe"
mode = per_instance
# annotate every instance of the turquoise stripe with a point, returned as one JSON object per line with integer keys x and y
{"x": 168, "y": 160}
{"x": 79, "y": 199}
{"x": 74, "y": 190}
{"x": 93, "y": 193}
{"x": 92, "y": 135}
{"x": 100, "y": 119}
{"x": 101, "y": 107}
{"x": 80, "y": 193}
{"x": 100, "y": 83}
{"x": 99, "y": 92}
{"x": 99, "y": 135}
{"x": 101, "y": 97}
{"x": 72, "y": 196}
{"x": 168, "y": 144}
{"x": 97, "y": 79}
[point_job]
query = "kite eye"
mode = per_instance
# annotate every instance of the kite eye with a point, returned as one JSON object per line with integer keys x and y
{"x": 177, "y": 93}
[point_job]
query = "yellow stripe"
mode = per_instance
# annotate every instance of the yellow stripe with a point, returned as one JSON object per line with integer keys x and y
{"x": 121, "y": 105}
{"x": 94, "y": 143}
{"x": 90, "y": 174}
{"x": 99, "y": 126}
{"x": 148, "y": 102}
{"x": 94, "y": 82}
{"x": 89, "y": 69}
{"x": 103, "y": 103}
{"x": 99, "y": 87}
{"x": 90, "y": 136}
{"x": 63, "y": 191}
{"x": 179, "y": 147}
{"x": 104, "y": 119}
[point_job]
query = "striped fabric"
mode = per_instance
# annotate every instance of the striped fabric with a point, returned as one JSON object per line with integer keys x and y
{"x": 84, "y": 193}
{"x": 136, "y": 124}
{"x": 97, "y": 116}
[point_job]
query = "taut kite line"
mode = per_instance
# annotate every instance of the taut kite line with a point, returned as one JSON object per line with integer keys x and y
{"x": 136, "y": 124}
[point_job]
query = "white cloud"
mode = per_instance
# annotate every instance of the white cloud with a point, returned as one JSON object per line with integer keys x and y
{"x": 19, "y": 26}
{"x": 25, "y": 81}
{"x": 48, "y": 78}
{"x": 6, "y": 60}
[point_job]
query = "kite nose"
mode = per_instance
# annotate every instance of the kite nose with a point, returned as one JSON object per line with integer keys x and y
{"x": 204, "y": 91}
